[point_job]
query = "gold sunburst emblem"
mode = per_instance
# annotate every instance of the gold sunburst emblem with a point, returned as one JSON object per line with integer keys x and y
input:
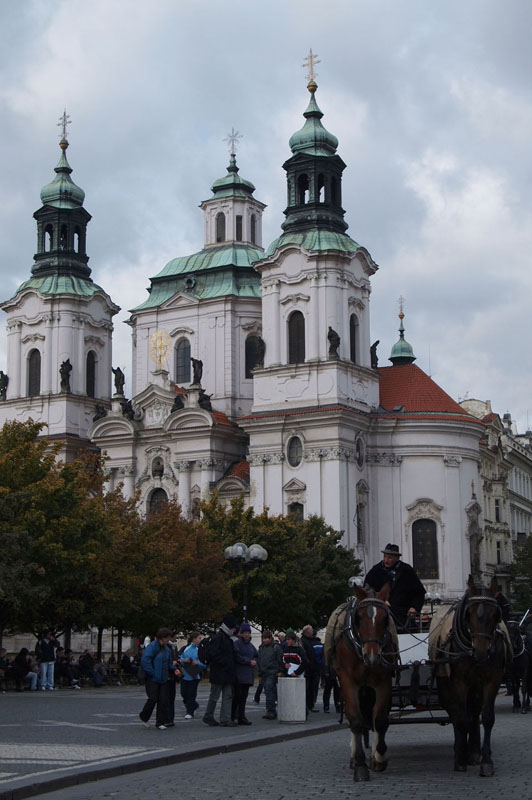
{"x": 160, "y": 344}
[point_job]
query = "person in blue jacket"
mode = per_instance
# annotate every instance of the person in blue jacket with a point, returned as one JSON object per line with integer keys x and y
{"x": 192, "y": 667}
{"x": 158, "y": 664}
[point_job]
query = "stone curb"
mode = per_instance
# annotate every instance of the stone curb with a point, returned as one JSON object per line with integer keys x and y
{"x": 54, "y": 784}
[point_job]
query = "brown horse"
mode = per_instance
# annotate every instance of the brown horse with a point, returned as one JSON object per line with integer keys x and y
{"x": 473, "y": 648}
{"x": 363, "y": 655}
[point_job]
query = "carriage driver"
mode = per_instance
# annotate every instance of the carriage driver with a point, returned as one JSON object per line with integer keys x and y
{"x": 407, "y": 593}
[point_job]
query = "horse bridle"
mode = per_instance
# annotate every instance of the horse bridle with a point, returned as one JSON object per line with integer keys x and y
{"x": 463, "y": 634}
{"x": 354, "y": 638}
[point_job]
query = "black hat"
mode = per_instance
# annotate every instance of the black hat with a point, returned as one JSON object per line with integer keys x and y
{"x": 391, "y": 550}
{"x": 230, "y": 621}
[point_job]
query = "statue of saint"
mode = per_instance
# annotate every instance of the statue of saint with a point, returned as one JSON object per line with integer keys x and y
{"x": 120, "y": 380}
{"x": 101, "y": 412}
{"x": 334, "y": 343}
{"x": 373, "y": 355}
{"x": 197, "y": 367}
{"x": 64, "y": 370}
{"x": 261, "y": 351}
{"x": 4, "y": 382}
{"x": 204, "y": 401}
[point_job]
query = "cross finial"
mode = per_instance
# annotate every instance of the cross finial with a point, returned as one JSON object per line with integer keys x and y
{"x": 64, "y": 120}
{"x": 401, "y": 301}
{"x": 309, "y": 63}
{"x": 232, "y": 140}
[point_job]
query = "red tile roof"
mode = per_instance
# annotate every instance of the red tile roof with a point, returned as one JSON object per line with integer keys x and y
{"x": 239, "y": 470}
{"x": 408, "y": 386}
{"x": 222, "y": 419}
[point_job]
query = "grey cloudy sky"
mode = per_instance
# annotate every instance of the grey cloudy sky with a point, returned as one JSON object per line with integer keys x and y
{"x": 432, "y": 105}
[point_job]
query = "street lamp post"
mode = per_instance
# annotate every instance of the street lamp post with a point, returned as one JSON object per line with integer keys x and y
{"x": 245, "y": 558}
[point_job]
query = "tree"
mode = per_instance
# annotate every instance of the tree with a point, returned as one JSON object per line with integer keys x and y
{"x": 185, "y": 568}
{"x": 306, "y": 575}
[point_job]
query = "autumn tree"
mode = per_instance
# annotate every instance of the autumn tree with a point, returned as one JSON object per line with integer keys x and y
{"x": 307, "y": 571}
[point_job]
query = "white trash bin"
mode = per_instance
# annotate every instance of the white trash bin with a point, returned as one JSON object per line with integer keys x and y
{"x": 291, "y": 700}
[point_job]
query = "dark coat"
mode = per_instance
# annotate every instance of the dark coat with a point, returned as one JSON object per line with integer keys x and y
{"x": 45, "y": 649}
{"x": 244, "y": 653}
{"x": 295, "y": 654}
{"x": 222, "y": 663}
{"x": 307, "y": 643}
{"x": 407, "y": 590}
{"x": 270, "y": 659}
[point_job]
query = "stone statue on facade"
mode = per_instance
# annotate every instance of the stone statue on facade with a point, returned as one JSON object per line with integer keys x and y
{"x": 127, "y": 409}
{"x": 120, "y": 380}
{"x": 64, "y": 370}
{"x": 4, "y": 382}
{"x": 204, "y": 401}
{"x": 334, "y": 343}
{"x": 261, "y": 352}
{"x": 177, "y": 404}
{"x": 197, "y": 367}
{"x": 373, "y": 354}
{"x": 101, "y": 412}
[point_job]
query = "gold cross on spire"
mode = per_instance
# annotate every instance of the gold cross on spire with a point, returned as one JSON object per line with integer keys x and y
{"x": 232, "y": 140}
{"x": 401, "y": 302}
{"x": 310, "y": 61}
{"x": 64, "y": 120}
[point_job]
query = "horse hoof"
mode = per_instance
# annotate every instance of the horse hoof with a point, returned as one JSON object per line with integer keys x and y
{"x": 474, "y": 759}
{"x": 486, "y": 771}
{"x": 361, "y": 774}
{"x": 378, "y": 766}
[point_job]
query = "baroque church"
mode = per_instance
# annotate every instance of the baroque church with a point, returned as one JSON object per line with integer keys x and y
{"x": 253, "y": 373}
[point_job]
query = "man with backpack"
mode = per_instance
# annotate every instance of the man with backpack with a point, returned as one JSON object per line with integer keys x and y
{"x": 222, "y": 668}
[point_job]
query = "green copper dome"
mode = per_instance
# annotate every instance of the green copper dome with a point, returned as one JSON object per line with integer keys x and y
{"x": 313, "y": 138}
{"x": 62, "y": 192}
{"x": 232, "y": 185}
{"x": 402, "y": 351}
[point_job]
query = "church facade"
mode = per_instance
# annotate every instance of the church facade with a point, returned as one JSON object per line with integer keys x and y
{"x": 253, "y": 373}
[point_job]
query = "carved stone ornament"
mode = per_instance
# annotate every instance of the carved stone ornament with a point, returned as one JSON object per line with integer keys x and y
{"x": 384, "y": 459}
{"x": 257, "y": 459}
{"x": 452, "y": 461}
{"x": 183, "y": 466}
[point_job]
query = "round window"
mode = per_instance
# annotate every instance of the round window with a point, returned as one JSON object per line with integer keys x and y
{"x": 295, "y": 451}
{"x": 360, "y": 454}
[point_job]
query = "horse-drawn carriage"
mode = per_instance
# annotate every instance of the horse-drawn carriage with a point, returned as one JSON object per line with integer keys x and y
{"x": 451, "y": 675}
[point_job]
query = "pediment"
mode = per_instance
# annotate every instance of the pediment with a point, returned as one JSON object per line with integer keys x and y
{"x": 232, "y": 485}
{"x": 111, "y": 426}
{"x": 189, "y": 418}
{"x": 180, "y": 300}
{"x": 295, "y": 485}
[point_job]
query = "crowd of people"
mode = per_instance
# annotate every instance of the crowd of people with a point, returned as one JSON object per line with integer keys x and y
{"x": 234, "y": 663}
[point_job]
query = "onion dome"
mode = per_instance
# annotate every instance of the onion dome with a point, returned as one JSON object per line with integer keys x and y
{"x": 232, "y": 185}
{"x": 313, "y": 138}
{"x": 402, "y": 351}
{"x": 62, "y": 192}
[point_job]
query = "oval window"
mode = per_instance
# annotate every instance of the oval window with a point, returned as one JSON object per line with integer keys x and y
{"x": 295, "y": 451}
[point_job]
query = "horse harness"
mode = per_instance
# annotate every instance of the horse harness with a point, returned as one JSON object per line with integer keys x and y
{"x": 461, "y": 633}
{"x": 352, "y": 634}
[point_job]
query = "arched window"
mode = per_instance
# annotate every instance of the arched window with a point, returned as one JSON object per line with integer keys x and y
{"x": 182, "y": 361}
{"x": 252, "y": 348}
{"x": 90, "y": 374}
{"x": 294, "y": 451}
{"x": 425, "y": 549}
{"x": 48, "y": 238}
{"x": 77, "y": 240}
{"x": 34, "y": 373}
{"x": 302, "y": 190}
{"x": 320, "y": 196}
{"x": 238, "y": 222}
{"x": 353, "y": 338}
{"x": 63, "y": 238}
{"x": 296, "y": 338}
{"x": 157, "y": 499}
{"x": 334, "y": 191}
{"x": 297, "y": 510}
{"x": 253, "y": 229}
{"x": 220, "y": 227}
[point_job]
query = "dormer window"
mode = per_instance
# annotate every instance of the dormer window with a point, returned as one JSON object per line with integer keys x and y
{"x": 220, "y": 227}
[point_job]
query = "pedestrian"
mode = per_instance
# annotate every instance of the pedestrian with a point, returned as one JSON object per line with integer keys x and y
{"x": 271, "y": 667}
{"x": 157, "y": 664}
{"x": 191, "y": 668}
{"x": 174, "y": 677}
{"x": 407, "y": 593}
{"x": 45, "y": 652}
{"x": 246, "y": 661}
{"x": 222, "y": 668}
{"x": 309, "y": 641}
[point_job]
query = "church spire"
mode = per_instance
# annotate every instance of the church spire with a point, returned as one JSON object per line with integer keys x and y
{"x": 62, "y": 220}
{"x": 402, "y": 351}
{"x": 314, "y": 172}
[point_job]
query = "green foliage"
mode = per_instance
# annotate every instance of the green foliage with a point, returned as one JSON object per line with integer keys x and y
{"x": 306, "y": 574}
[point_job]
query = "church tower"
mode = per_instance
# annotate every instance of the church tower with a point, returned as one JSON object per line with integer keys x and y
{"x": 59, "y": 323}
{"x": 312, "y": 399}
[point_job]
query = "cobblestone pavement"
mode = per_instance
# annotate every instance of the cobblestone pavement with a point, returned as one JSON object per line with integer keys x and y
{"x": 421, "y": 767}
{"x": 102, "y": 729}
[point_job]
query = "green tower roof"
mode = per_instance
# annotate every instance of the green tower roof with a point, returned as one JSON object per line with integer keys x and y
{"x": 62, "y": 192}
{"x": 402, "y": 351}
{"x": 313, "y": 138}
{"x": 232, "y": 185}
